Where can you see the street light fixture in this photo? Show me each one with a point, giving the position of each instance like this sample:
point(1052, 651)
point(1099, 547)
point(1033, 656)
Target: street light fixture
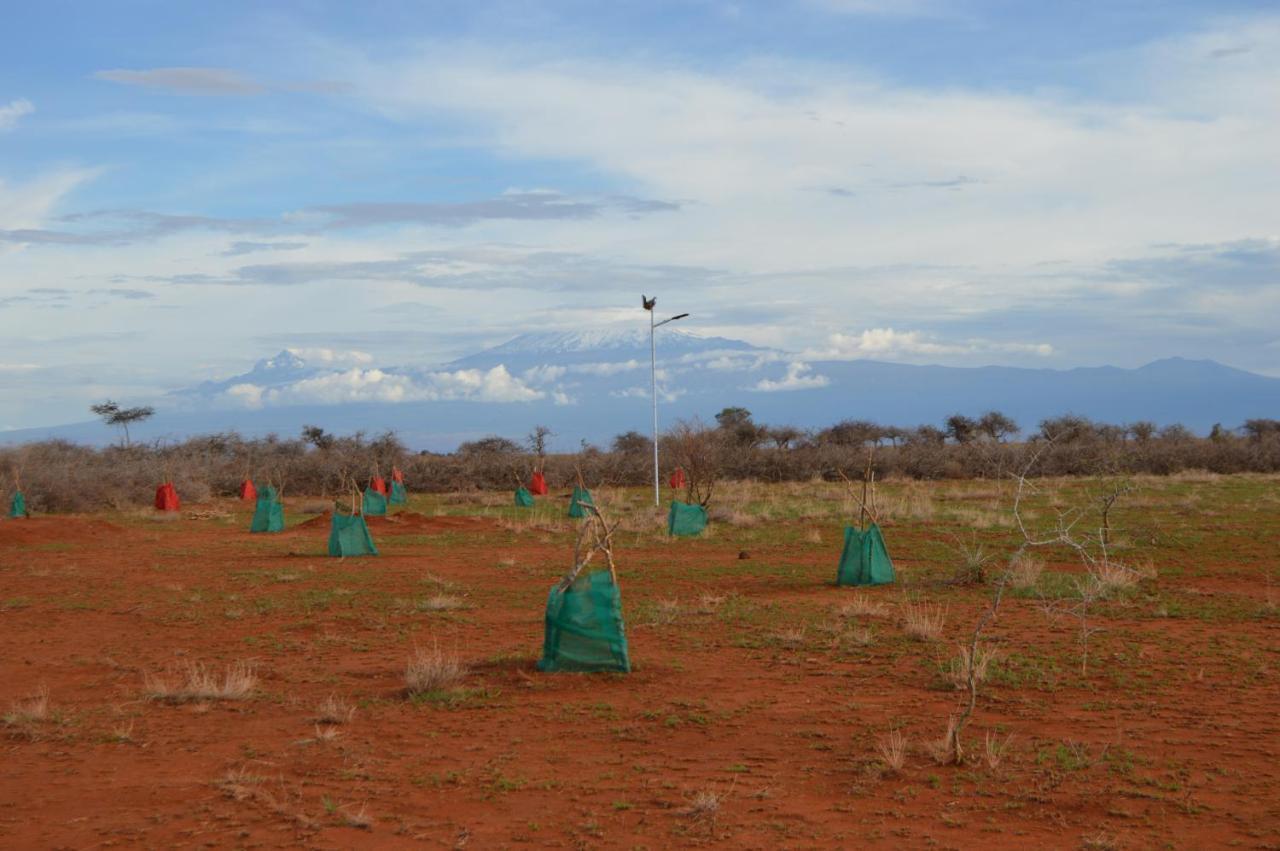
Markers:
point(653, 384)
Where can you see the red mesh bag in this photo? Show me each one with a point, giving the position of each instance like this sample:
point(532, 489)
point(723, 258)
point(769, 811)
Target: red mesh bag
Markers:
point(247, 490)
point(538, 484)
point(397, 475)
point(166, 497)
point(379, 484)
point(677, 480)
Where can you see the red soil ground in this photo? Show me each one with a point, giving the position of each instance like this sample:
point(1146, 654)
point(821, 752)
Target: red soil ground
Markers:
point(1169, 741)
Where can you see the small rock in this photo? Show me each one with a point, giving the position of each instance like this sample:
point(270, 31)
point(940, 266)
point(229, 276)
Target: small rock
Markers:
point(743, 554)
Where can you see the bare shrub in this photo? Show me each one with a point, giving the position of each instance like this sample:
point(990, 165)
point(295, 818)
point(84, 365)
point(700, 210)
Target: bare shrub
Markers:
point(29, 709)
point(893, 751)
point(923, 621)
point(200, 682)
point(433, 670)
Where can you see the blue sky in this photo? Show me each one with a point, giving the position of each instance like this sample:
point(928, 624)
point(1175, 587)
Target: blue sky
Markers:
point(187, 187)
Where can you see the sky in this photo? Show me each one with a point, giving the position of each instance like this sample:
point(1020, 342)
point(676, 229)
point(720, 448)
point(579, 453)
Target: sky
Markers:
point(188, 187)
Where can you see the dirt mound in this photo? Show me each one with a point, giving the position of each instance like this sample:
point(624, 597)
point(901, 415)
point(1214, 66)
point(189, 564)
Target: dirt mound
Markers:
point(55, 530)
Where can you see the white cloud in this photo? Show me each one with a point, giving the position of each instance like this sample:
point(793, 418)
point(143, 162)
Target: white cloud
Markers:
point(890, 343)
point(327, 356)
point(376, 385)
point(13, 110)
point(798, 377)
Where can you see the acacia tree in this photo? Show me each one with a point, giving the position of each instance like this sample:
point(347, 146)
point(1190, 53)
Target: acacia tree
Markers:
point(700, 452)
point(114, 415)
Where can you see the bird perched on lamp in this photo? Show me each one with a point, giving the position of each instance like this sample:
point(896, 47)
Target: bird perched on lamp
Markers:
point(648, 302)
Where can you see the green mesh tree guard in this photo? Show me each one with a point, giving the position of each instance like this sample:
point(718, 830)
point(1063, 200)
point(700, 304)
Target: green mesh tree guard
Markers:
point(18, 505)
point(580, 496)
point(524, 499)
point(349, 536)
point(375, 504)
point(584, 627)
point(864, 559)
point(399, 496)
point(268, 512)
point(686, 520)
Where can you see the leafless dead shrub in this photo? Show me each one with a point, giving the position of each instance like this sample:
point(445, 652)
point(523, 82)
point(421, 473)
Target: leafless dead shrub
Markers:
point(433, 670)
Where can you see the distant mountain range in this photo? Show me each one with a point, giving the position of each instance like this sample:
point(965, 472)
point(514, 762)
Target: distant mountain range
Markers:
point(594, 385)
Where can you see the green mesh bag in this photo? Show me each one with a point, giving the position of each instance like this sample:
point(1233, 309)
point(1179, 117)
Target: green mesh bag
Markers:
point(268, 512)
point(399, 496)
point(375, 504)
point(864, 560)
point(18, 506)
point(524, 499)
point(584, 627)
point(580, 496)
point(349, 536)
point(686, 520)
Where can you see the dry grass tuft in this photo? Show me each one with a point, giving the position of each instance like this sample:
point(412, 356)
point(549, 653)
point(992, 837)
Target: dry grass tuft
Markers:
point(790, 638)
point(201, 683)
point(441, 603)
point(995, 750)
point(893, 751)
point(359, 820)
point(923, 621)
point(25, 716)
point(665, 611)
point(709, 603)
point(433, 670)
point(1112, 577)
point(1025, 570)
point(813, 536)
point(334, 710)
point(943, 750)
point(960, 666)
point(862, 606)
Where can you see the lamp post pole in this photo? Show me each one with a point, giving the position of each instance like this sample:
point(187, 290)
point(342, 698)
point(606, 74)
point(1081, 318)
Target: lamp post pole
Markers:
point(653, 386)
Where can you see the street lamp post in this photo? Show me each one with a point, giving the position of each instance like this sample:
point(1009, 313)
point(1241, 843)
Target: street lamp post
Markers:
point(653, 385)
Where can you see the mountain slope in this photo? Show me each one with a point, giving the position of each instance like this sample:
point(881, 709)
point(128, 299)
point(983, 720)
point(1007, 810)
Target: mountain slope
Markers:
point(588, 385)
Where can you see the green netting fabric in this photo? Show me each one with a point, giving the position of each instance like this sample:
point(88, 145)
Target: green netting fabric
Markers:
point(268, 512)
point(375, 504)
point(18, 506)
point(686, 520)
point(524, 499)
point(580, 496)
point(864, 560)
point(584, 627)
point(399, 496)
point(349, 536)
